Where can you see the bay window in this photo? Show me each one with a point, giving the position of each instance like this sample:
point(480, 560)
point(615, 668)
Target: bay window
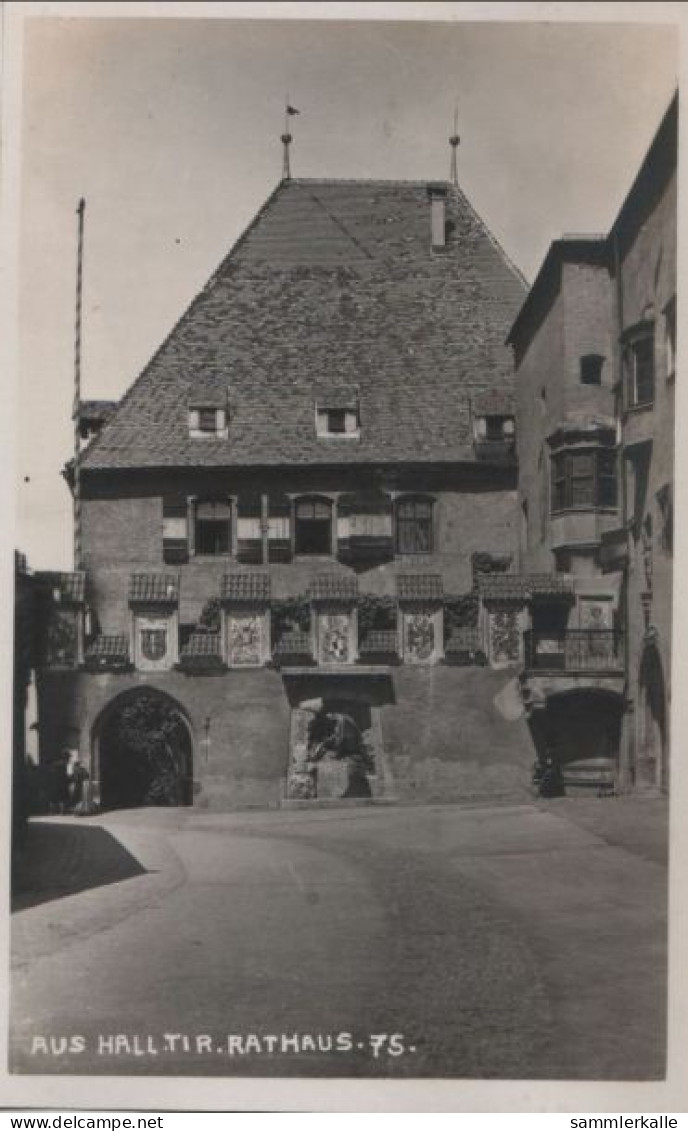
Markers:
point(583, 478)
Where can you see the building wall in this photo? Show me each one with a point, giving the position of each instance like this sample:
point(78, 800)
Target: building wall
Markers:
point(588, 329)
point(648, 282)
point(448, 733)
point(475, 510)
point(576, 322)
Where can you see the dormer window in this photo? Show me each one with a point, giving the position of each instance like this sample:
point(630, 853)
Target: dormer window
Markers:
point(337, 413)
point(208, 413)
point(495, 428)
point(208, 423)
point(207, 420)
point(336, 420)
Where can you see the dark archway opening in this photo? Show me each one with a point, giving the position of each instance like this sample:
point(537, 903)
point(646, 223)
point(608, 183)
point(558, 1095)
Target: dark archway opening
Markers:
point(579, 735)
point(145, 753)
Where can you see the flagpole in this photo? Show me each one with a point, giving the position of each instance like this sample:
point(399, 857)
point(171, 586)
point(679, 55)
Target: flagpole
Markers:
point(76, 410)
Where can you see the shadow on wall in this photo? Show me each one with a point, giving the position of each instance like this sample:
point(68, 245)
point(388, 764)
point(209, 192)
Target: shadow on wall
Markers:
point(63, 858)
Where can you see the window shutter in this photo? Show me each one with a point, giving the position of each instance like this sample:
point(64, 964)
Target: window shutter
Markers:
point(279, 529)
point(249, 530)
point(175, 529)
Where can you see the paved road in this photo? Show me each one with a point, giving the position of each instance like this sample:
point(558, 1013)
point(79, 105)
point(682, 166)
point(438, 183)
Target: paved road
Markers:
point(500, 943)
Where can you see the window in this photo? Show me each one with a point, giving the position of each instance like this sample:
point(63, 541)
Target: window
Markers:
point(207, 422)
point(313, 526)
point(175, 532)
point(494, 428)
point(213, 527)
point(591, 369)
point(342, 421)
point(336, 420)
point(414, 526)
point(670, 338)
point(639, 367)
point(583, 478)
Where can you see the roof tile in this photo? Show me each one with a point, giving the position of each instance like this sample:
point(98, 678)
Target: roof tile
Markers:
point(201, 644)
point(110, 648)
point(246, 585)
point(419, 587)
point(514, 586)
point(154, 588)
point(71, 586)
point(333, 587)
point(335, 281)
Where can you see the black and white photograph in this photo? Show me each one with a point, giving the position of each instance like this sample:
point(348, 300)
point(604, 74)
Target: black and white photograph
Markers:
point(341, 435)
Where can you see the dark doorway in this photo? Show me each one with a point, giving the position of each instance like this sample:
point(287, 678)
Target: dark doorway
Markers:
point(145, 753)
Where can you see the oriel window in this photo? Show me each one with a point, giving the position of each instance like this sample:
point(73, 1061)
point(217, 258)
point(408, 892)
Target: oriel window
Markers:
point(583, 479)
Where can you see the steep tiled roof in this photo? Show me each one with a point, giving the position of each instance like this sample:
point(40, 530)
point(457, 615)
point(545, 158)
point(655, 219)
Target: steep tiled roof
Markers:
point(333, 587)
point(419, 587)
point(336, 396)
point(71, 586)
point(96, 410)
point(154, 588)
point(494, 402)
point(334, 283)
point(514, 586)
point(246, 585)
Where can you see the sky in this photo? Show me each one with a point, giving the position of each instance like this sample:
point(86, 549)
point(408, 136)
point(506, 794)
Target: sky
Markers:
point(169, 128)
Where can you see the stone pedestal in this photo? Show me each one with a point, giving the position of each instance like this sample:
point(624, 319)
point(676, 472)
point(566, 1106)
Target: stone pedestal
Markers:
point(332, 776)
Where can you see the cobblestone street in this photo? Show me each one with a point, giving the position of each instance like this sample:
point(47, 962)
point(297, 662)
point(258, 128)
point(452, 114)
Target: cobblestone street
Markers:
point(510, 942)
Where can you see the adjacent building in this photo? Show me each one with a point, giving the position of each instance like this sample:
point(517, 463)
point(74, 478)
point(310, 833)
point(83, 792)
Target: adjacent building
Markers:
point(594, 347)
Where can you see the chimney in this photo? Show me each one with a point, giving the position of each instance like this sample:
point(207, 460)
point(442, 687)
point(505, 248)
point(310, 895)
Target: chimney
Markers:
point(438, 197)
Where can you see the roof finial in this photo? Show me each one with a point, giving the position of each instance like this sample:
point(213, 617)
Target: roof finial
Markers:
point(287, 139)
point(454, 142)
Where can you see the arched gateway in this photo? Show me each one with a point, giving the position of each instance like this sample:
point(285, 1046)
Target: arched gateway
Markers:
point(142, 752)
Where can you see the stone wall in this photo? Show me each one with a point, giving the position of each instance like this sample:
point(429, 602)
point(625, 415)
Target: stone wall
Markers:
point(448, 734)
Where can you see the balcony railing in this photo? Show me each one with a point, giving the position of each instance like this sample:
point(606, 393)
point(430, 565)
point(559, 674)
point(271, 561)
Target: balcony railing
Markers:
point(576, 650)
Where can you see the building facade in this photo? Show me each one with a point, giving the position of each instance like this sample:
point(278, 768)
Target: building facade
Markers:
point(289, 513)
point(594, 347)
